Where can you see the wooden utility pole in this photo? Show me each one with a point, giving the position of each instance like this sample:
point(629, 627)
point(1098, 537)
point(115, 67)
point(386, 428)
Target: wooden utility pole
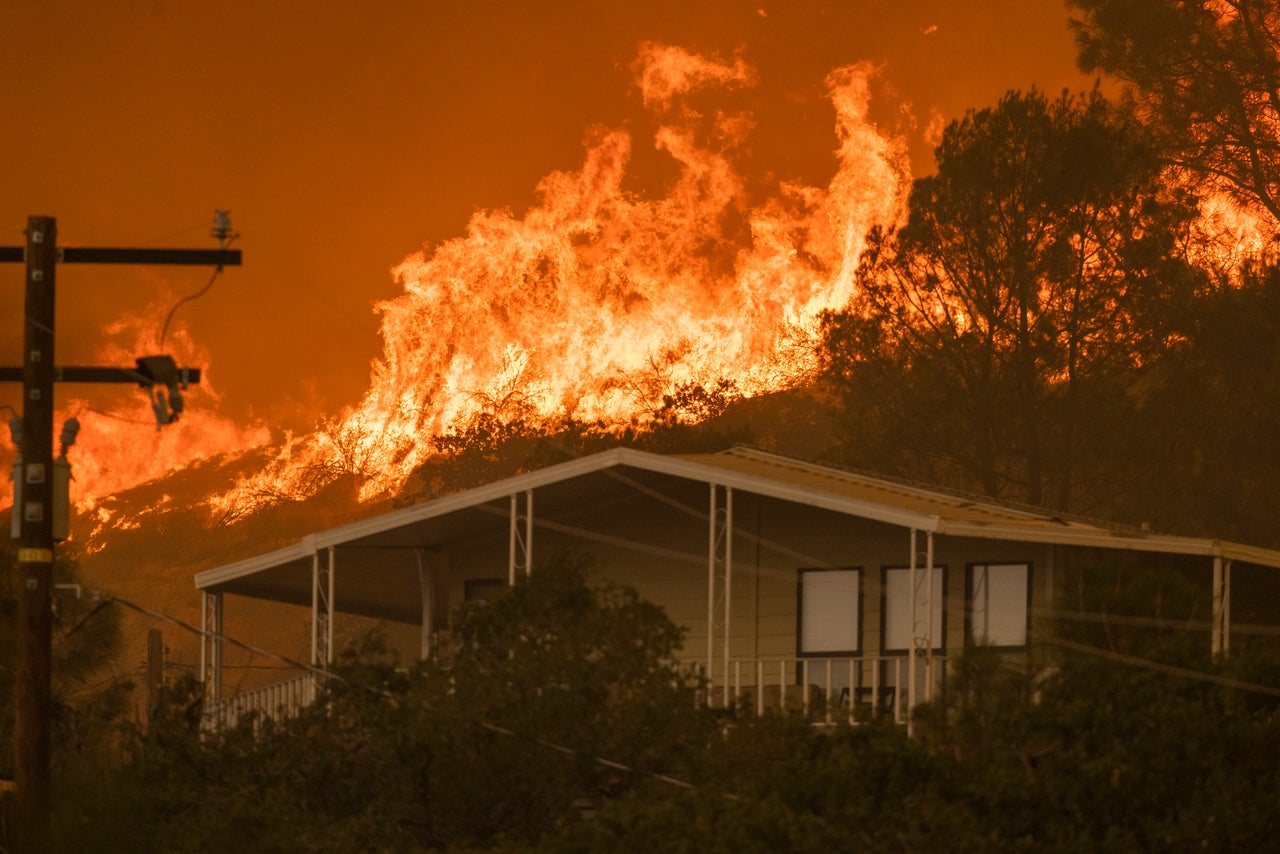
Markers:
point(34, 492)
point(35, 553)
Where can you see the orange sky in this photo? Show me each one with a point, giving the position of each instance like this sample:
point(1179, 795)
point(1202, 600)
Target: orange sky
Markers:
point(344, 136)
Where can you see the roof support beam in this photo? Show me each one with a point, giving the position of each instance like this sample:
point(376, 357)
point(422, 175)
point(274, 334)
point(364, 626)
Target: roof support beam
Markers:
point(520, 559)
point(211, 648)
point(921, 641)
point(719, 584)
point(425, 582)
point(1220, 636)
point(322, 570)
point(911, 650)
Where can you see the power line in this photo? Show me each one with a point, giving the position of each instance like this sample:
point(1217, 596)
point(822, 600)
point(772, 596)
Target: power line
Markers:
point(115, 416)
point(164, 330)
point(1173, 669)
point(559, 748)
point(1152, 622)
point(205, 633)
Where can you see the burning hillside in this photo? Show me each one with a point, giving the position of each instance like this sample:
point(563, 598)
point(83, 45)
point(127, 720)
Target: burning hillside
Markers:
point(597, 303)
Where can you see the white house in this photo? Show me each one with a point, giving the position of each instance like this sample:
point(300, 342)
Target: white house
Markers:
point(784, 573)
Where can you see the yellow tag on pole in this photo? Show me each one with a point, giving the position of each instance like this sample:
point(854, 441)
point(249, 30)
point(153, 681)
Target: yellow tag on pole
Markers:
point(35, 555)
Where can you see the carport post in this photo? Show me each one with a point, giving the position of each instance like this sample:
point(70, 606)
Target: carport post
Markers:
point(728, 583)
point(719, 574)
point(424, 583)
point(1220, 636)
point(211, 647)
point(322, 609)
point(520, 556)
point(928, 637)
point(911, 650)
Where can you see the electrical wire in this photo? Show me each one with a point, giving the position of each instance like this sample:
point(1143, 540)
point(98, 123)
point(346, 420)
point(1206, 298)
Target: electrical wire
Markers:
point(551, 745)
point(209, 635)
point(117, 417)
point(1160, 666)
point(223, 244)
point(1151, 622)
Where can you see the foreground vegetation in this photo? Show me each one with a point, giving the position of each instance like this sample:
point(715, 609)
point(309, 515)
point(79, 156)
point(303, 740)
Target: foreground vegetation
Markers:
point(556, 719)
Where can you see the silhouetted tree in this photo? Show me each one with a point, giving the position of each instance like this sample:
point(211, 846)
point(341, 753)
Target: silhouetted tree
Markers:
point(497, 738)
point(1209, 427)
point(1204, 75)
point(997, 333)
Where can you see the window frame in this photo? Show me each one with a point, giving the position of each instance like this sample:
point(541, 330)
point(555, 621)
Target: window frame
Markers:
point(801, 652)
point(969, 625)
point(940, 635)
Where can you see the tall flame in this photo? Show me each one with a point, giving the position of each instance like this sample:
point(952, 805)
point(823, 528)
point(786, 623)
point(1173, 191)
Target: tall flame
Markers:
point(597, 302)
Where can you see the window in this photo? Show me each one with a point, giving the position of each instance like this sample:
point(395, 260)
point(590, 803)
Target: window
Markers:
point(828, 605)
point(998, 603)
point(897, 631)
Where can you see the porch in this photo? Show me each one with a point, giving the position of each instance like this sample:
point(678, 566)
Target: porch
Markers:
point(783, 573)
point(824, 691)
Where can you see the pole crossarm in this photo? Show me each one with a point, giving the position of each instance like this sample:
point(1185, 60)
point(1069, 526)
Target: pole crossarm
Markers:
point(94, 374)
point(112, 255)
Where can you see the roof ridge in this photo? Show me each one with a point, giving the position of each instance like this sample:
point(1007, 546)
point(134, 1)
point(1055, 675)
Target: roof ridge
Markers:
point(748, 451)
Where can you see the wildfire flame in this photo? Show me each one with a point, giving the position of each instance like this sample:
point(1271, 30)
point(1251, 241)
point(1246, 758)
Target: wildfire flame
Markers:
point(597, 302)
point(119, 445)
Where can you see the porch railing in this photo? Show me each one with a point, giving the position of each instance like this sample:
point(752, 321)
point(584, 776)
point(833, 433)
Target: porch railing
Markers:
point(823, 690)
point(827, 689)
point(277, 701)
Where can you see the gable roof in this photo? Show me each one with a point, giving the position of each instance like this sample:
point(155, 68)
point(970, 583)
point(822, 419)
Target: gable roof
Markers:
point(590, 478)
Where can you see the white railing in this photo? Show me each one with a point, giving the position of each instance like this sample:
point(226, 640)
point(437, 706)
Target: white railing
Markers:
point(826, 689)
point(278, 701)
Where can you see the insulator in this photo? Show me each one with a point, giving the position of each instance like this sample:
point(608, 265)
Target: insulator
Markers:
point(221, 224)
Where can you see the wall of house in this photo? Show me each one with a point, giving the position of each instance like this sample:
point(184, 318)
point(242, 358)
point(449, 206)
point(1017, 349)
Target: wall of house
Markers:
point(660, 547)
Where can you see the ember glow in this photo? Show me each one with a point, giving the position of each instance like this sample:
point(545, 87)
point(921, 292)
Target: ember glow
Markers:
point(597, 302)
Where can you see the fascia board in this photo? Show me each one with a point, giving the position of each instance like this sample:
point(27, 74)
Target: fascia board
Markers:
point(1249, 554)
point(775, 489)
point(249, 566)
point(464, 500)
point(608, 459)
point(1105, 539)
point(312, 543)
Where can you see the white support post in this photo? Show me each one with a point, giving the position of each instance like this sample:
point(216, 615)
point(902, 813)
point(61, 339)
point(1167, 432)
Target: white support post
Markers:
point(520, 549)
point(424, 584)
point(911, 651)
point(928, 637)
point(1220, 636)
point(719, 581)
point(513, 537)
point(211, 647)
point(711, 593)
point(322, 609)
point(727, 556)
point(528, 532)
